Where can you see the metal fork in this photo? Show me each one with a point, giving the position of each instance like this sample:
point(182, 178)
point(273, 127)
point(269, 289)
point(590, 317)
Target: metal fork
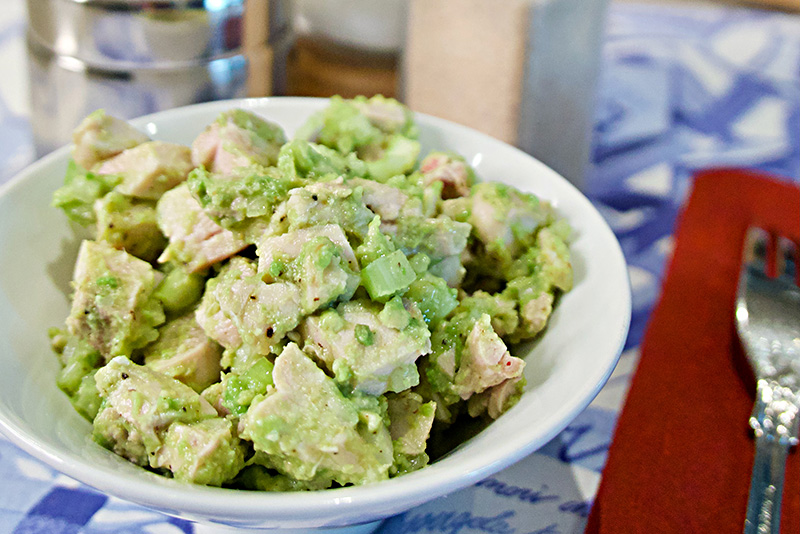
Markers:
point(768, 323)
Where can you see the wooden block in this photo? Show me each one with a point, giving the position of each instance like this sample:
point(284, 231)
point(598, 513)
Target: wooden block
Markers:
point(259, 73)
point(319, 68)
point(464, 61)
point(789, 5)
point(256, 24)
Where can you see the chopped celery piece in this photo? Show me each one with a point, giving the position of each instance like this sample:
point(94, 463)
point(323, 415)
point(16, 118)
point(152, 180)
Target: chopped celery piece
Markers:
point(79, 359)
point(394, 314)
point(399, 158)
point(387, 276)
point(81, 188)
point(433, 297)
point(364, 335)
point(301, 159)
point(375, 245)
point(86, 399)
point(241, 389)
point(276, 268)
point(179, 290)
point(420, 262)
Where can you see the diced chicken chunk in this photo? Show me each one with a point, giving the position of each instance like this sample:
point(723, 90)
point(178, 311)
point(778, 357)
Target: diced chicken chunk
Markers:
point(319, 260)
point(138, 407)
point(289, 245)
point(387, 201)
point(113, 307)
point(485, 361)
point(387, 114)
point(373, 348)
point(446, 238)
point(498, 306)
point(328, 203)
point(150, 169)
point(556, 265)
point(453, 172)
point(450, 268)
point(184, 352)
point(309, 430)
point(237, 138)
point(497, 399)
point(323, 275)
point(239, 309)
point(534, 314)
point(195, 241)
point(101, 136)
point(207, 452)
point(214, 395)
point(411, 420)
point(438, 238)
point(501, 216)
point(216, 324)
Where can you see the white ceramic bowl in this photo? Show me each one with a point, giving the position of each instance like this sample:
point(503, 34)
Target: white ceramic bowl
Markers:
point(565, 368)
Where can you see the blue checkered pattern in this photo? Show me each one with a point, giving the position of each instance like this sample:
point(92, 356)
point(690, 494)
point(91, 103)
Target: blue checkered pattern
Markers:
point(682, 89)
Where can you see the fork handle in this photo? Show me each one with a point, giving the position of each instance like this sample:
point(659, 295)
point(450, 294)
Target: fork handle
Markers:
point(774, 421)
point(766, 487)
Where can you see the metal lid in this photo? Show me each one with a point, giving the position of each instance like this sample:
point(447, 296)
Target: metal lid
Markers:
point(123, 33)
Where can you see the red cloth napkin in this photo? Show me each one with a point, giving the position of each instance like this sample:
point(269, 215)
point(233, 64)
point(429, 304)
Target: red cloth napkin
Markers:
point(681, 457)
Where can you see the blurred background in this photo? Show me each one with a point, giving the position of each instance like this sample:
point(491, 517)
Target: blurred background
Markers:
point(524, 71)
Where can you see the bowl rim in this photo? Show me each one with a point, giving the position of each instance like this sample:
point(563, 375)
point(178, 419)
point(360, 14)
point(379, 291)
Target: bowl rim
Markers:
point(364, 503)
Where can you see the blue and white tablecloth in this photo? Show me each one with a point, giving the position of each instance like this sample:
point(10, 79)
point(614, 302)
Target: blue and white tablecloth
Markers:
point(682, 89)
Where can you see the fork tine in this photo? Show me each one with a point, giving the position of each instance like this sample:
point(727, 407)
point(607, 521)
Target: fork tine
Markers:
point(788, 256)
point(771, 264)
point(756, 246)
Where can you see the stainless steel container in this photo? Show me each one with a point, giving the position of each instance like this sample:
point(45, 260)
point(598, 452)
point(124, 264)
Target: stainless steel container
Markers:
point(133, 57)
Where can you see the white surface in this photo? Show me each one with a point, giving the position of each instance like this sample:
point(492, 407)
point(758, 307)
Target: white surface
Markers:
point(369, 25)
point(565, 370)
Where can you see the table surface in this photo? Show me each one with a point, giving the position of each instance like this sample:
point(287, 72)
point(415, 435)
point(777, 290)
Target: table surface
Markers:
point(683, 88)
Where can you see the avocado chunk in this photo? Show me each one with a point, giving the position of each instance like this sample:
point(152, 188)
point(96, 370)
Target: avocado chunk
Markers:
point(79, 362)
point(80, 191)
point(300, 159)
point(243, 200)
point(180, 290)
point(130, 225)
